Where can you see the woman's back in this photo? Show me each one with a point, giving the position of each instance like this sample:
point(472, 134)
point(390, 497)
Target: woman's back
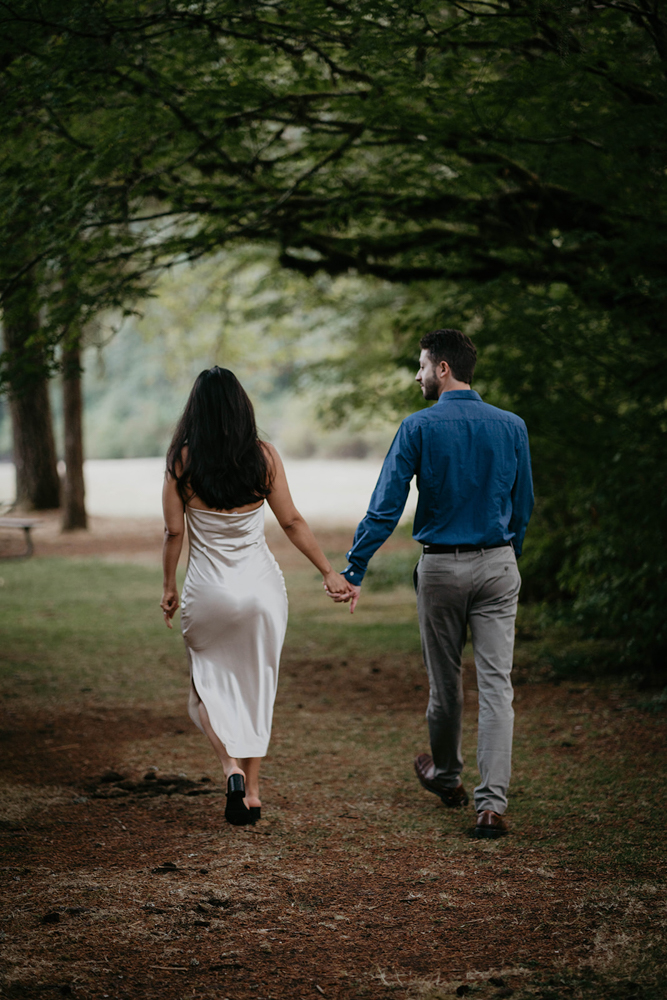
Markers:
point(195, 503)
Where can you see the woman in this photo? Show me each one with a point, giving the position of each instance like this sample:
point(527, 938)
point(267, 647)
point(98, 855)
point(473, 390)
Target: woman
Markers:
point(234, 602)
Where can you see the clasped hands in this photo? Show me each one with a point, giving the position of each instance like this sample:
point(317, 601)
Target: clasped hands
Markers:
point(341, 590)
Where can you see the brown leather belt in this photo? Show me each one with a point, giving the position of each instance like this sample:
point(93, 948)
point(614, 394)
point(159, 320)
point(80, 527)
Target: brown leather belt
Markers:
point(432, 550)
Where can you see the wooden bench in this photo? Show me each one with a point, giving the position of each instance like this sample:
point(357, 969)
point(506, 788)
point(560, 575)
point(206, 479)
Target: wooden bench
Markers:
point(26, 524)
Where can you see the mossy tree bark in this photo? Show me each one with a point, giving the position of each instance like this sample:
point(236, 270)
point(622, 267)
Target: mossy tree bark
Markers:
point(74, 498)
point(37, 481)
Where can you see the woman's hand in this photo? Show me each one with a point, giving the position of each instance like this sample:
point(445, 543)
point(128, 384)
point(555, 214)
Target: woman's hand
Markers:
point(335, 583)
point(169, 605)
point(341, 590)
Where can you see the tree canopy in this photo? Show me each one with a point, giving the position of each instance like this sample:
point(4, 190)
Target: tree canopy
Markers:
point(461, 141)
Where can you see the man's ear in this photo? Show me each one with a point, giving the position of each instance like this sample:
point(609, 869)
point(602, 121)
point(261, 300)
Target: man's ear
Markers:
point(443, 370)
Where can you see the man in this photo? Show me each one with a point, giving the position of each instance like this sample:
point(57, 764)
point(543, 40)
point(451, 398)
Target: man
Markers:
point(475, 499)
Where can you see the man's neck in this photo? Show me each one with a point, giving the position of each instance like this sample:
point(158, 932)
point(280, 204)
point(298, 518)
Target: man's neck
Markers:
point(449, 385)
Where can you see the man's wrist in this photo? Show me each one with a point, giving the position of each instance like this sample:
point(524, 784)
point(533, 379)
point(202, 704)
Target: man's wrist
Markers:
point(353, 576)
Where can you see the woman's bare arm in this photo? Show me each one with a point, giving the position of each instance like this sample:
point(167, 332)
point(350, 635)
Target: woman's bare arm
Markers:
point(296, 528)
point(174, 532)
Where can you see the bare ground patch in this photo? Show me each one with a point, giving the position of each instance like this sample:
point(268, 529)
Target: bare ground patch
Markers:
point(359, 886)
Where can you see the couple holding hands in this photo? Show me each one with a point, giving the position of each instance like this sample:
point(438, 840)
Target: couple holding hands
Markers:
point(472, 465)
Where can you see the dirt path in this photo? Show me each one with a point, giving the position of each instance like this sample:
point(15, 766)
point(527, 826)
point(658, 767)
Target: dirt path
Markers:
point(129, 883)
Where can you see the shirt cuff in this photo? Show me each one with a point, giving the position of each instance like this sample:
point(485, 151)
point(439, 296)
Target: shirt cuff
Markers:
point(353, 576)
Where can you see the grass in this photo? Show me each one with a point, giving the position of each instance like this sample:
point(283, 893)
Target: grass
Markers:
point(90, 627)
point(89, 631)
point(94, 626)
point(588, 792)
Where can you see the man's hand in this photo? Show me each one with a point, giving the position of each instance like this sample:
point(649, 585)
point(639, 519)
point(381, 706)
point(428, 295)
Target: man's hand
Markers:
point(356, 594)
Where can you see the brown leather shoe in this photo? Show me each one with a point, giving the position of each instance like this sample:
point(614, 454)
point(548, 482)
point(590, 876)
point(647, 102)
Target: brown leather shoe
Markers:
point(490, 824)
point(453, 798)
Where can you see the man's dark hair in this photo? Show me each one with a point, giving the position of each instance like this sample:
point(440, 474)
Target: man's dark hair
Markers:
point(453, 347)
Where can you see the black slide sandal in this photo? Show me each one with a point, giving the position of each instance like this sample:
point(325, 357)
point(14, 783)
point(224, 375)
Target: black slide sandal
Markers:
point(236, 811)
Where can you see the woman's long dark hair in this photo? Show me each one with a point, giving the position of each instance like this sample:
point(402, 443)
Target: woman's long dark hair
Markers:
point(225, 465)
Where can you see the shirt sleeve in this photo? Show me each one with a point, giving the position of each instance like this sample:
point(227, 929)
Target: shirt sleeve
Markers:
point(522, 492)
point(386, 504)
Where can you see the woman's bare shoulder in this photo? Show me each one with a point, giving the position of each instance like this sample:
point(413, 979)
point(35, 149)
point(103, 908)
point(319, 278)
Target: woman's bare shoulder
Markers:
point(179, 463)
point(271, 453)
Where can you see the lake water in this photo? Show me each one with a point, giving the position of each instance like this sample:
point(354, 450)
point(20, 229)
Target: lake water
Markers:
point(326, 491)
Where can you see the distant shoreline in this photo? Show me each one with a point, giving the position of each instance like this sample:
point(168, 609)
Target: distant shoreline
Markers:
point(326, 491)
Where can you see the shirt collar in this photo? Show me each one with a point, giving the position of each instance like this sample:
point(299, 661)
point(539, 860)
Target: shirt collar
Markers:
point(459, 394)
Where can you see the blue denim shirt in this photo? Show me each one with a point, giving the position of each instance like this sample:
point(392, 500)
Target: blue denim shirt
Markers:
point(472, 464)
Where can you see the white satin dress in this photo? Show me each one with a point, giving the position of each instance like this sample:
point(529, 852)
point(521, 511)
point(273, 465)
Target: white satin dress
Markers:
point(233, 617)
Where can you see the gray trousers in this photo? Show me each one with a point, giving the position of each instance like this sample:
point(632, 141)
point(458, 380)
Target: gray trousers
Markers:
point(479, 589)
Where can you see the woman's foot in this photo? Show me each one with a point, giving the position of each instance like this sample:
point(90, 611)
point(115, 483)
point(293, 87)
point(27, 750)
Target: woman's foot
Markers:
point(254, 805)
point(232, 768)
point(251, 767)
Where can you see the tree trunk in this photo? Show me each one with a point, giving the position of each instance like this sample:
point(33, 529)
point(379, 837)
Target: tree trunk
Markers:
point(74, 500)
point(37, 482)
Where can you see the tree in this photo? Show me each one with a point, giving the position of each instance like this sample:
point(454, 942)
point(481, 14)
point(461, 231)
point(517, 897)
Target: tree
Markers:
point(74, 500)
point(58, 266)
point(37, 482)
point(27, 348)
